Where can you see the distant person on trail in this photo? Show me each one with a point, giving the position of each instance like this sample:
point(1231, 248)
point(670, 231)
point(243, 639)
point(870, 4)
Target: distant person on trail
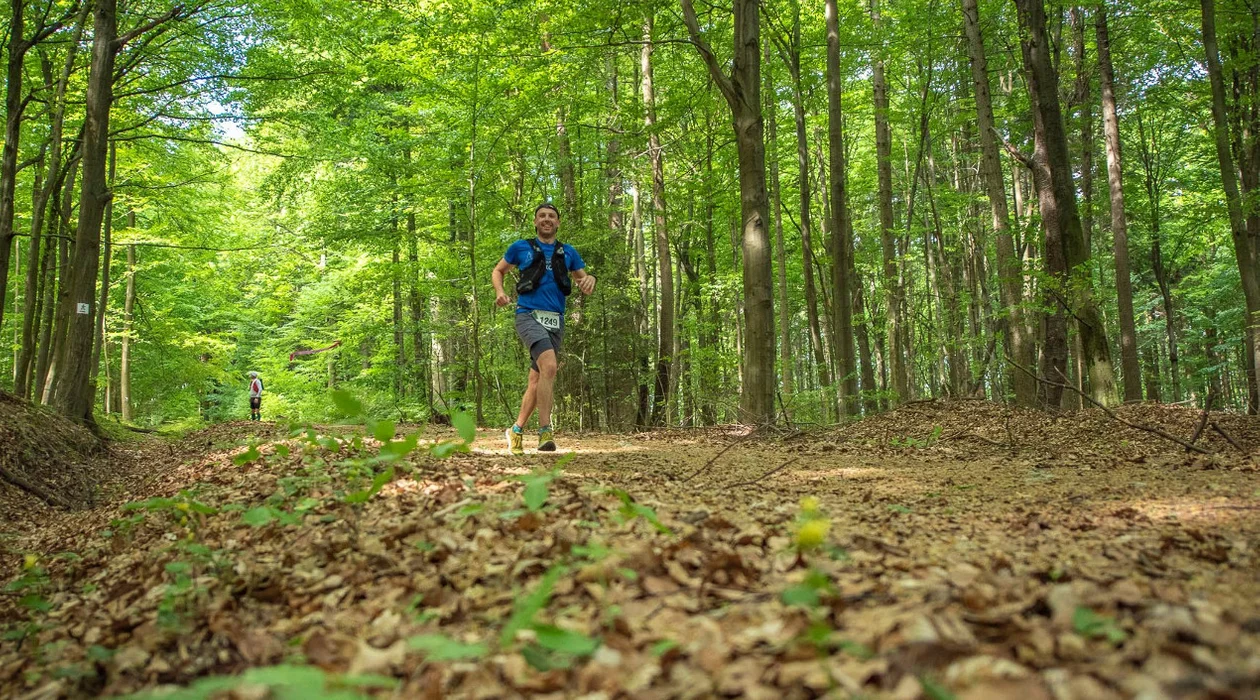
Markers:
point(548, 270)
point(255, 396)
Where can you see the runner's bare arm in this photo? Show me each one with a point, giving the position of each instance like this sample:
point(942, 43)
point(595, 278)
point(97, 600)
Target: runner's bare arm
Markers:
point(585, 282)
point(496, 278)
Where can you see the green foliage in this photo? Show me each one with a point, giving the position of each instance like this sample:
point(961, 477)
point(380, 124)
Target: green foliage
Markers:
point(537, 487)
point(1088, 623)
point(437, 647)
point(934, 690)
point(809, 593)
point(631, 510)
point(918, 443)
point(283, 683)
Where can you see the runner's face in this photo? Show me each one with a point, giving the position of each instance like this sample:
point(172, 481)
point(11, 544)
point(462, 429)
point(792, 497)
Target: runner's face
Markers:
point(546, 221)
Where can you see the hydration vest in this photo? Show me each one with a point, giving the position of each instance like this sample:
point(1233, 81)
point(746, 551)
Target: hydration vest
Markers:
point(532, 276)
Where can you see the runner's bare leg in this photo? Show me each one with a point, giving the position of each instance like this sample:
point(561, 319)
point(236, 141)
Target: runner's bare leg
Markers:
point(546, 384)
point(529, 401)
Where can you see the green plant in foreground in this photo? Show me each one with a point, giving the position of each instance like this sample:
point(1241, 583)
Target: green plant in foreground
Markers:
point(280, 683)
point(1088, 623)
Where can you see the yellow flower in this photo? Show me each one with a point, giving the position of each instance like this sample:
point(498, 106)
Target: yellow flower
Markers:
point(29, 561)
point(182, 506)
point(809, 505)
point(812, 534)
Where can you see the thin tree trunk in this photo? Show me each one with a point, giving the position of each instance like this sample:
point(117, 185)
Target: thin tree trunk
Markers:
point(1151, 362)
point(785, 318)
point(1246, 247)
point(642, 415)
point(1086, 179)
point(870, 400)
point(842, 225)
point(129, 303)
point(1129, 365)
point(25, 347)
point(400, 357)
point(742, 91)
point(898, 354)
point(709, 337)
point(419, 354)
point(792, 57)
point(665, 324)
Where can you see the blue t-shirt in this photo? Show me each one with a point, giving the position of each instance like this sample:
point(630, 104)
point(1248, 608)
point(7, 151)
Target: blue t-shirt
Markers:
point(547, 297)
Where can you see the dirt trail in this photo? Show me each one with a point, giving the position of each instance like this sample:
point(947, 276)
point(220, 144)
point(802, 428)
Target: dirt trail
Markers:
point(964, 558)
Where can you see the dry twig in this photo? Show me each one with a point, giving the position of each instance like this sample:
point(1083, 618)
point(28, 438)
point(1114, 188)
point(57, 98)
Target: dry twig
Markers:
point(715, 458)
point(1139, 426)
point(1221, 431)
point(772, 472)
point(1207, 409)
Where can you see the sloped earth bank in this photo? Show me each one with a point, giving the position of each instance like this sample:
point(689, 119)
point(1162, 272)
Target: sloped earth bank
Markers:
point(1068, 558)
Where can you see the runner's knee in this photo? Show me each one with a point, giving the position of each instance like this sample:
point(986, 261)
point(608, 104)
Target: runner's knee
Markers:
point(547, 364)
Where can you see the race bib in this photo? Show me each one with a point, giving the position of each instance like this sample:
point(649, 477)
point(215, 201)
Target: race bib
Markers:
point(547, 319)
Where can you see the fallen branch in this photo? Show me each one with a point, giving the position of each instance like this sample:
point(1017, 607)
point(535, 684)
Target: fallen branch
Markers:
point(37, 491)
point(772, 472)
point(1203, 420)
point(1221, 431)
point(1139, 426)
point(709, 463)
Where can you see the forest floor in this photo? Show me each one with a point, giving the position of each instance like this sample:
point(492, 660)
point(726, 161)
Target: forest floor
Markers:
point(944, 550)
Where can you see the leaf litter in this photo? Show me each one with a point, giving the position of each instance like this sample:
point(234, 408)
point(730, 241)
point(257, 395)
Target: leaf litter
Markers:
point(890, 560)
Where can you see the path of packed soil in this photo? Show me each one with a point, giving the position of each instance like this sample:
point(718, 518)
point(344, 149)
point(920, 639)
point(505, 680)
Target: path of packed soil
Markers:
point(974, 563)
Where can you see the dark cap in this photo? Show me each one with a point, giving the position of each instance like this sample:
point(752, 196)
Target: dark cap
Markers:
point(547, 205)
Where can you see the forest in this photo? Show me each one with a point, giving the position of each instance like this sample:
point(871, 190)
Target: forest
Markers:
point(922, 361)
point(993, 186)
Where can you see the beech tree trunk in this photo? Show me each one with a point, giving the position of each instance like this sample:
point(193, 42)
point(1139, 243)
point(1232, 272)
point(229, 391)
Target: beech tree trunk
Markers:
point(1130, 367)
point(71, 395)
point(898, 355)
point(785, 317)
point(14, 106)
point(41, 205)
point(841, 224)
point(665, 339)
point(792, 57)
point(1059, 212)
point(1246, 243)
point(129, 303)
point(742, 90)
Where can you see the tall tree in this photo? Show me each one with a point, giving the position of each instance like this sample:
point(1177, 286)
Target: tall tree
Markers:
point(789, 43)
point(898, 355)
point(72, 395)
point(1130, 368)
point(1059, 213)
point(742, 90)
point(665, 347)
point(14, 108)
point(785, 318)
point(841, 223)
point(1244, 226)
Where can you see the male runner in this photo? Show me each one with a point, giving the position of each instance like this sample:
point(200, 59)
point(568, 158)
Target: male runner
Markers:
point(548, 270)
point(255, 396)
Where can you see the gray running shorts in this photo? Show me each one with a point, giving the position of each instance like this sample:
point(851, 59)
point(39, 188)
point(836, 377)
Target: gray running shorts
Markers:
point(537, 338)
